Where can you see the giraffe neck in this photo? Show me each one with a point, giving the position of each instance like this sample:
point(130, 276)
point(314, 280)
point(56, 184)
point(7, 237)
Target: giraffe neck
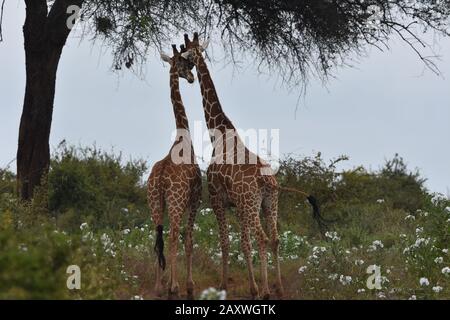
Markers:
point(181, 120)
point(216, 118)
point(183, 141)
point(214, 115)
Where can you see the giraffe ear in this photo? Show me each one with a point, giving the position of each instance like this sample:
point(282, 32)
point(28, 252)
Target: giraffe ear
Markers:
point(204, 45)
point(165, 57)
point(186, 55)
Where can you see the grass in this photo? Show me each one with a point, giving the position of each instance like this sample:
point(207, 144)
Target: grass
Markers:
point(97, 218)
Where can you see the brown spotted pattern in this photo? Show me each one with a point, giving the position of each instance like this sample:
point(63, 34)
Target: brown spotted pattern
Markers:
point(176, 187)
point(238, 185)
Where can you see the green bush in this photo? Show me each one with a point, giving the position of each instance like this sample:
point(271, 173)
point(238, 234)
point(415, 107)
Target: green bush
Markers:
point(341, 194)
point(91, 184)
point(7, 181)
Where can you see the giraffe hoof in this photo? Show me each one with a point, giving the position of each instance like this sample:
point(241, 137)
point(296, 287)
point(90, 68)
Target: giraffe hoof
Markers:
point(280, 293)
point(173, 294)
point(190, 294)
point(254, 292)
point(223, 286)
point(266, 296)
point(159, 292)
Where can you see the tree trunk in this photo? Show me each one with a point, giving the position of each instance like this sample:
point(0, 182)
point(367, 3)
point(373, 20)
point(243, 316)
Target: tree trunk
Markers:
point(45, 34)
point(33, 154)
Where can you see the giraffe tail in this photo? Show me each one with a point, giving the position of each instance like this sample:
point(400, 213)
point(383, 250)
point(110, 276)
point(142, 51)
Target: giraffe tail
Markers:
point(159, 247)
point(321, 221)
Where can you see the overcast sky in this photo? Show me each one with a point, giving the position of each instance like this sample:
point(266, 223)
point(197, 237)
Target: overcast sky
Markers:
point(385, 105)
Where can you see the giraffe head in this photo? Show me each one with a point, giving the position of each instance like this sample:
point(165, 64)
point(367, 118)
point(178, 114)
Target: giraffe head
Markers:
point(193, 48)
point(182, 65)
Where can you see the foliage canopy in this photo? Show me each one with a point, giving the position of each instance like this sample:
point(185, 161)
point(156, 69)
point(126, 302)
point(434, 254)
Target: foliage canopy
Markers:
point(297, 38)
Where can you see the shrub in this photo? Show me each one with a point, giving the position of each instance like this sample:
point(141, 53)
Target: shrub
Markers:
point(96, 185)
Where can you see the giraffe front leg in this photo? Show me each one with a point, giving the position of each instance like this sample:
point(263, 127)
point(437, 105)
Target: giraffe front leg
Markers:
point(219, 210)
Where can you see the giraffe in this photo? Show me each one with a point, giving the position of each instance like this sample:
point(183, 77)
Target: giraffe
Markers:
point(241, 179)
point(175, 182)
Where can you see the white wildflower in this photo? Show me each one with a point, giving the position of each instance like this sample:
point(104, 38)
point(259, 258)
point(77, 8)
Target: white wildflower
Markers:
point(424, 282)
point(413, 297)
point(319, 249)
point(333, 276)
point(126, 231)
point(206, 211)
point(83, 226)
point(380, 201)
point(333, 236)
point(421, 241)
point(359, 262)
point(87, 236)
point(437, 289)
point(361, 290)
point(213, 294)
point(302, 269)
point(439, 260)
point(410, 217)
point(105, 239)
point(345, 280)
point(377, 244)
point(446, 271)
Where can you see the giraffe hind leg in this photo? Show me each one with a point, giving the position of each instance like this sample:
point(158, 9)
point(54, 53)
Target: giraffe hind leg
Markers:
point(246, 246)
point(270, 212)
point(177, 206)
point(189, 247)
point(157, 209)
point(262, 246)
point(219, 211)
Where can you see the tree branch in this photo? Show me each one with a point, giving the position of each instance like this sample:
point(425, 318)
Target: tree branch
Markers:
point(1, 19)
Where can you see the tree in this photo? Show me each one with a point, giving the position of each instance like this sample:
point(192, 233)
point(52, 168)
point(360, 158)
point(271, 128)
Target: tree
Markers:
point(45, 34)
point(299, 39)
